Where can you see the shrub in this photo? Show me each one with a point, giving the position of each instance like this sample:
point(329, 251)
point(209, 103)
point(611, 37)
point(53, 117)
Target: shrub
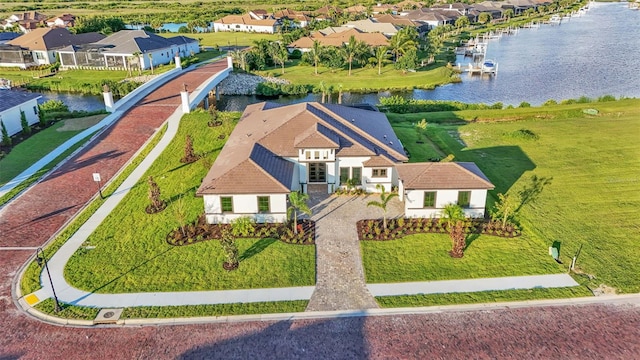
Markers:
point(525, 134)
point(26, 129)
point(606, 98)
point(524, 104)
point(550, 102)
point(6, 139)
point(53, 106)
point(243, 226)
point(583, 100)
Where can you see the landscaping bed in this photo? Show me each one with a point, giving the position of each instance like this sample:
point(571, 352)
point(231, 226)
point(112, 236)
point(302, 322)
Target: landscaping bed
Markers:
point(398, 228)
point(200, 230)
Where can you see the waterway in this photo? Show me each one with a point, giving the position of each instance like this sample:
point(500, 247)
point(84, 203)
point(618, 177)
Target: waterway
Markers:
point(592, 55)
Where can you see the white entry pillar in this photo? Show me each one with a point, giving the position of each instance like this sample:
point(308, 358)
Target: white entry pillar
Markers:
point(229, 62)
point(178, 61)
point(184, 95)
point(108, 99)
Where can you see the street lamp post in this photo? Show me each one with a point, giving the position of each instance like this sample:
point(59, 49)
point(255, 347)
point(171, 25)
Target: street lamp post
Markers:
point(43, 260)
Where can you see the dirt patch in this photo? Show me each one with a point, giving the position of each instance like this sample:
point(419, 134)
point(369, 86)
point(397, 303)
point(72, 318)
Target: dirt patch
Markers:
point(81, 123)
point(604, 290)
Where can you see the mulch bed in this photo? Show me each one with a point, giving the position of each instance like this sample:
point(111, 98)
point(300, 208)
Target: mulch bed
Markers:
point(200, 230)
point(398, 228)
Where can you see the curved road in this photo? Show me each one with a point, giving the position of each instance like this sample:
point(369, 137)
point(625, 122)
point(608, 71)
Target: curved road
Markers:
point(562, 332)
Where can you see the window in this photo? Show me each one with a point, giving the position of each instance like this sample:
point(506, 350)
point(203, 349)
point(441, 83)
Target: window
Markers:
point(429, 199)
point(356, 175)
point(464, 198)
point(316, 154)
point(344, 175)
point(307, 155)
point(226, 203)
point(379, 173)
point(35, 110)
point(263, 204)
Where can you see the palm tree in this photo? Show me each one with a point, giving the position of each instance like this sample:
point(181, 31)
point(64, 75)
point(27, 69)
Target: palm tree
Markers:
point(507, 14)
point(382, 204)
point(461, 22)
point(340, 87)
point(401, 42)
point(279, 54)
point(316, 51)
point(323, 89)
point(298, 204)
point(484, 18)
point(380, 54)
point(453, 220)
point(240, 58)
point(137, 56)
point(350, 50)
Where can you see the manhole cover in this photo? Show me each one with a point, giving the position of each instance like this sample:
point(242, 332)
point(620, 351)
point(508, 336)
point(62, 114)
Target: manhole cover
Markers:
point(108, 314)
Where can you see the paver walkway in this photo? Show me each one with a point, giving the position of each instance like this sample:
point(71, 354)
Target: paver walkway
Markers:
point(34, 217)
point(340, 276)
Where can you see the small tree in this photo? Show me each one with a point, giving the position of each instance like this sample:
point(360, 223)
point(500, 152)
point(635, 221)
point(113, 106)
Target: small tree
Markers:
point(189, 154)
point(453, 220)
point(505, 208)
point(180, 212)
point(41, 116)
point(157, 204)
point(230, 249)
point(298, 204)
point(6, 139)
point(382, 204)
point(26, 129)
point(150, 55)
point(484, 18)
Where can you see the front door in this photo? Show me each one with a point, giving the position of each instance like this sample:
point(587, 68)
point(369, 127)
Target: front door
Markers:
point(317, 172)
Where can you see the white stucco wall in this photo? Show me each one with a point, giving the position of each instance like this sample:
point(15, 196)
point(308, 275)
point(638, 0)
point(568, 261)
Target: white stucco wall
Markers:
point(11, 117)
point(243, 28)
point(414, 199)
point(246, 205)
point(369, 182)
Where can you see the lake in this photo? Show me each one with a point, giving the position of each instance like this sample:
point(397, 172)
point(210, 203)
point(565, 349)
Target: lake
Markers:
point(592, 55)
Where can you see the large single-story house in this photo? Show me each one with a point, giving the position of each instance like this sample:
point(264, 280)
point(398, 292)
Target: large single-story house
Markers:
point(24, 21)
point(333, 38)
point(250, 22)
point(12, 103)
point(276, 149)
point(127, 48)
point(39, 46)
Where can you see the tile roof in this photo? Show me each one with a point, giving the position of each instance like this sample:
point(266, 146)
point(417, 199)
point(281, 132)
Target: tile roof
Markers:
point(378, 161)
point(268, 133)
point(53, 38)
point(340, 38)
point(246, 20)
point(13, 98)
point(442, 175)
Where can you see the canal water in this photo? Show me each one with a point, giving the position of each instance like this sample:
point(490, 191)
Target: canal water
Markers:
point(592, 55)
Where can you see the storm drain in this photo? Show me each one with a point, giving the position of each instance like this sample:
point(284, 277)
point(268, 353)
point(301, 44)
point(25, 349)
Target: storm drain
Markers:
point(108, 316)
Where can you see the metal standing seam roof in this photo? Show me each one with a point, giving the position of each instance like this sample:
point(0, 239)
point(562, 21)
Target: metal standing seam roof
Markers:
point(53, 38)
point(132, 41)
point(12, 98)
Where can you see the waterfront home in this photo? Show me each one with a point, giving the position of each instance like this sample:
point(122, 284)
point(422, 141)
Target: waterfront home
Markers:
point(39, 46)
point(372, 26)
point(13, 104)
point(432, 18)
point(276, 149)
point(297, 18)
point(250, 22)
point(337, 38)
point(128, 48)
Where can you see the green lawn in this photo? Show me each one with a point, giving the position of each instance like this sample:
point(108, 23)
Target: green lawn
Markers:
point(130, 248)
point(363, 79)
point(227, 38)
point(33, 149)
point(593, 198)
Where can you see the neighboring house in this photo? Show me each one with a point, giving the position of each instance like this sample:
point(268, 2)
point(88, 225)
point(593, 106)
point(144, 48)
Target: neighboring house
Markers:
point(39, 46)
point(426, 188)
point(25, 21)
point(299, 18)
point(128, 47)
point(12, 103)
point(246, 23)
point(64, 20)
point(384, 9)
point(372, 26)
point(338, 39)
point(433, 18)
point(8, 36)
point(357, 10)
point(401, 21)
point(276, 149)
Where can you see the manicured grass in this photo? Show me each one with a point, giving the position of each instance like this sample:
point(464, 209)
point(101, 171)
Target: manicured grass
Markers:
point(30, 281)
point(363, 79)
point(481, 297)
point(593, 197)
point(130, 247)
point(157, 312)
point(416, 142)
point(33, 149)
point(425, 257)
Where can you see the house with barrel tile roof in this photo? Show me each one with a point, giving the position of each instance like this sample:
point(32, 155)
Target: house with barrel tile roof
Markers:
point(276, 149)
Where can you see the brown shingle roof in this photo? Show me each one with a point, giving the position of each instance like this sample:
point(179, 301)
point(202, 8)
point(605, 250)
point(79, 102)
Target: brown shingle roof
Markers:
point(443, 175)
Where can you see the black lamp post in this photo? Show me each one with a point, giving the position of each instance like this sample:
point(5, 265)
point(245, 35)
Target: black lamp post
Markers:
point(42, 260)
